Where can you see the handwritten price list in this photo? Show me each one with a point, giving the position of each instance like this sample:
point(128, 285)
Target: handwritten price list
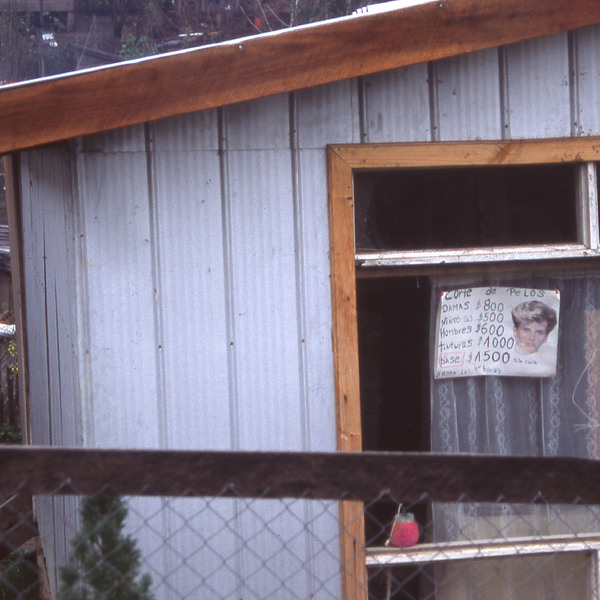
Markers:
point(476, 334)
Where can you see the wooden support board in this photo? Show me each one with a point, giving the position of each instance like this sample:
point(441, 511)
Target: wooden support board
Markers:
point(64, 107)
point(359, 476)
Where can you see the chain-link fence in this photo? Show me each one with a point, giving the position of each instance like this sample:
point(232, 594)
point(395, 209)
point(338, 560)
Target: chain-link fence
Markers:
point(139, 525)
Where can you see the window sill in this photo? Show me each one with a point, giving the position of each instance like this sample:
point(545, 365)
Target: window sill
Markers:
point(450, 551)
point(370, 259)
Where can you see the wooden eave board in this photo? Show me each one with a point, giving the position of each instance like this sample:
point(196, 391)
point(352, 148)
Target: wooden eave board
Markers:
point(67, 106)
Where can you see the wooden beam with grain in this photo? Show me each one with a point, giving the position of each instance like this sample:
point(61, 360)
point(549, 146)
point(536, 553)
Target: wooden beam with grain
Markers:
point(345, 354)
point(469, 153)
point(67, 106)
point(358, 476)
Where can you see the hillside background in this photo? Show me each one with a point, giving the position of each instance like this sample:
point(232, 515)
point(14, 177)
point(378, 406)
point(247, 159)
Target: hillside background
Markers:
point(37, 43)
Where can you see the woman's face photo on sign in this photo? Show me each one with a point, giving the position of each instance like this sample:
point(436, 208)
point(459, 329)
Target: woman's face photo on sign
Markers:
point(497, 331)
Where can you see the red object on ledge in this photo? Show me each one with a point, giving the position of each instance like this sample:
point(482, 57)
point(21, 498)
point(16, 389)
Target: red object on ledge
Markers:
point(405, 530)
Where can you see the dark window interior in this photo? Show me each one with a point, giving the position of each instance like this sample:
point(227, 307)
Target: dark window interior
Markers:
point(394, 362)
point(462, 207)
point(393, 335)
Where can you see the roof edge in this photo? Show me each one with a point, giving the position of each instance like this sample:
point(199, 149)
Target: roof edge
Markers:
point(75, 104)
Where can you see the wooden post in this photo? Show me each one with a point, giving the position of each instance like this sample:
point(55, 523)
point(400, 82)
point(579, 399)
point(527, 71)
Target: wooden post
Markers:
point(345, 353)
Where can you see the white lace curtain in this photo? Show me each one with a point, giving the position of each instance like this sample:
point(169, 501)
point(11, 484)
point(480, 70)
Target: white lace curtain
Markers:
point(557, 416)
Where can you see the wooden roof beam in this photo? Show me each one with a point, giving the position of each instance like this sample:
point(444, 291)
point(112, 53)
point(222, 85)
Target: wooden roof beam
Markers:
point(67, 106)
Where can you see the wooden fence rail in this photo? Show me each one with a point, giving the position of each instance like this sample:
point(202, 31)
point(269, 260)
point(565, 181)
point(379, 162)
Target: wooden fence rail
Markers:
point(351, 476)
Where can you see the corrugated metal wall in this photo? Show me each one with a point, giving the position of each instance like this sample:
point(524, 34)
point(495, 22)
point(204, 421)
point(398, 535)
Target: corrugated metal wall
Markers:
point(50, 291)
point(177, 274)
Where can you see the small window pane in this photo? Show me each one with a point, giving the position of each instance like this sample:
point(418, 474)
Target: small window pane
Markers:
point(463, 207)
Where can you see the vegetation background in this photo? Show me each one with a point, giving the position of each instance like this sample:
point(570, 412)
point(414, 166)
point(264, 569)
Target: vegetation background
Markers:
point(37, 44)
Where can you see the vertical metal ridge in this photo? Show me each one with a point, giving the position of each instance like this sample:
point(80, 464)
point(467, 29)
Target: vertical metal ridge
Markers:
point(504, 94)
point(155, 262)
point(232, 379)
point(83, 300)
point(75, 405)
point(49, 399)
point(586, 69)
point(56, 317)
point(434, 101)
point(300, 271)
point(574, 103)
point(363, 121)
point(228, 284)
point(592, 172)
point(587, 199)
point(157, 307)
point(303, 376)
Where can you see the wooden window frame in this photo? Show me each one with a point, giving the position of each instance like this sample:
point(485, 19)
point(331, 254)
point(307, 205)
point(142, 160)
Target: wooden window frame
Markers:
point(342, 161)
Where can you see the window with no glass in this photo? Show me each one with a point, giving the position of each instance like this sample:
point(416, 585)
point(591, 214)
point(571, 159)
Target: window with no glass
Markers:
point(431, 219)
point(463, 207)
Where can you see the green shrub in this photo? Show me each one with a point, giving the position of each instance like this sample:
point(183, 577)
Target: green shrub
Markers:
point(105, 563)
point(10, 434)
point(19, 577)
point(136, 47)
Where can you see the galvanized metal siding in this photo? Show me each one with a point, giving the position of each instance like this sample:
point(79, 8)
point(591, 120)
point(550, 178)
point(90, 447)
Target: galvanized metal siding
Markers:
point(195, 285)
point(192, 384)
point(51, 330)
point(466, 97)
point(586, 81)
point(262, 270)
point(201, 282)
point(536, 89)
point(396, 106)
point(320, 116)
point(205, 242)
point(117, 253)
point(177, 276)
point(50, 288)
point(281, 350)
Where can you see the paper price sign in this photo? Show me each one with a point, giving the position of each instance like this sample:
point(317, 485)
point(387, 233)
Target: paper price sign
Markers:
point(497, 331)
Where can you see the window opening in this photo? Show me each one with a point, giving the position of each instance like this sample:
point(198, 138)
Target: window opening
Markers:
point(407, 207)
point(401, 406)
point(463, 207)
point(405, 274)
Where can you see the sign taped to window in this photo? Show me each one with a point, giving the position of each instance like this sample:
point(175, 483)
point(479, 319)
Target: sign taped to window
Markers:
point(497, 331)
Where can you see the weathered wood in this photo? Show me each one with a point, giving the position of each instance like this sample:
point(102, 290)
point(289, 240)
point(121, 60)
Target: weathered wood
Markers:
point(335, 475)
point(345, 357)
point(148, 89)
point(345, 333)
point(583, 264)
point(444, 154)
